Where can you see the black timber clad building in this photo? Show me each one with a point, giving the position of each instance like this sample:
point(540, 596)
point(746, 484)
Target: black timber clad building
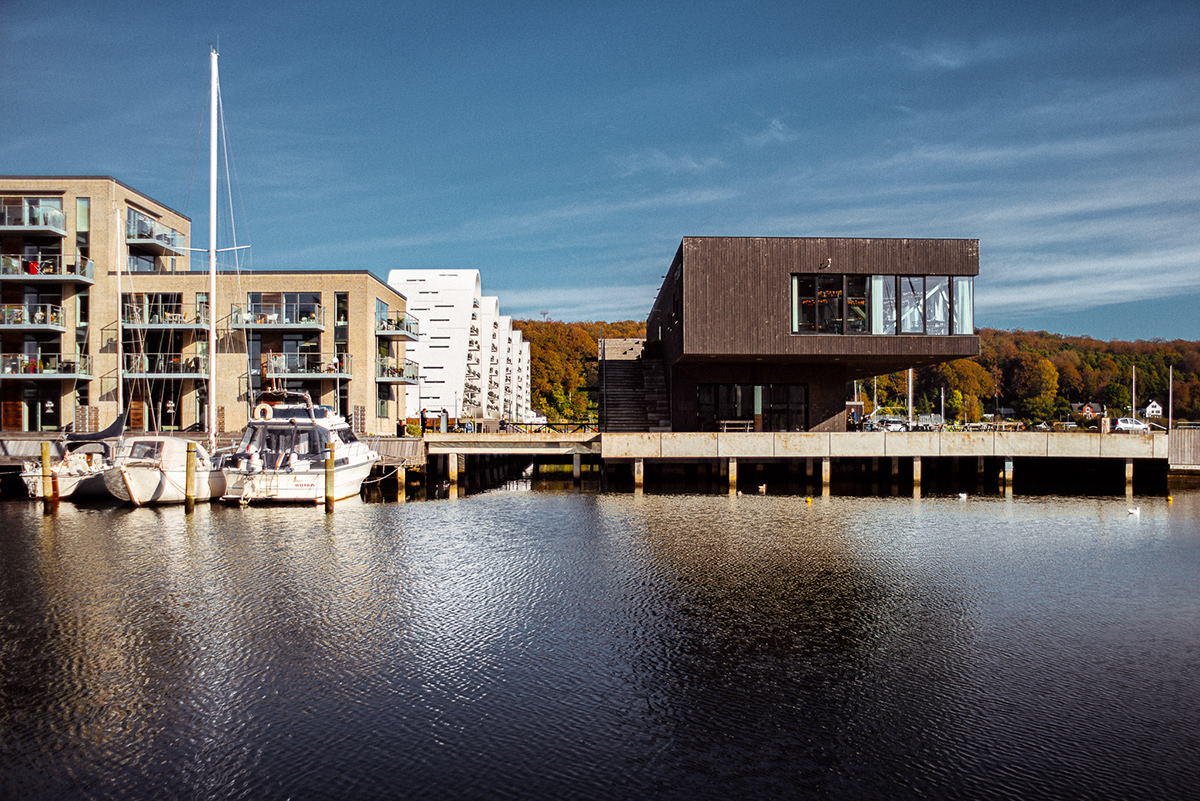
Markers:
point(764, 333)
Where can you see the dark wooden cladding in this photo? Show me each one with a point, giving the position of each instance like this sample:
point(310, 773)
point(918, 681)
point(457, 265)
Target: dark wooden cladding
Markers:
point(737, 293)
point(724, 315)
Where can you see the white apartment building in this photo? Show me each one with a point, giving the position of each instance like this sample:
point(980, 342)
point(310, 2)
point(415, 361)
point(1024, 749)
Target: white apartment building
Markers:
point(471, 362)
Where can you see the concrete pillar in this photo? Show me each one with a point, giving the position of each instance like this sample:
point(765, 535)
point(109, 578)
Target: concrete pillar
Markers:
point(452, 468)
point(1008, 472)
point(732, 476)
point(826, 471)
point(639, 474)
point(575, 466)
point(401, 485)
point(979, 469)
point(808, 468)
point(1128, 476)
point(916, 471)
point(895, 468)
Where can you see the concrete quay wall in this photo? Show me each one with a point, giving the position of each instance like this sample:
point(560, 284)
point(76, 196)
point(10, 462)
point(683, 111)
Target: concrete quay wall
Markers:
point(791, 445)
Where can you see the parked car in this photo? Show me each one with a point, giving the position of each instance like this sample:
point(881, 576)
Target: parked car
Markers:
point(1131, 425)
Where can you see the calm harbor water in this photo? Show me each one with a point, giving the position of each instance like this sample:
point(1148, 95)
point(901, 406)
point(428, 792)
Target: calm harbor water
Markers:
point(535, 644)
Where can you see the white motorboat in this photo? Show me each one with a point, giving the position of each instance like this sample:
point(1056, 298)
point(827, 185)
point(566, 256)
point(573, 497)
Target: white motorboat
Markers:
point(153, 470)
point(281, 456)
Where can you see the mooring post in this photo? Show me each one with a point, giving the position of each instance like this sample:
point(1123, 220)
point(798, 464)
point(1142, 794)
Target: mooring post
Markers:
point(916, 471)
point(47, 483)
point(401, 484)
point(576, 466)
point(1128, 476)
point(732, 469)
point(329, 446)
point(826, 471)
point(639, 477)
point(189, 485)
point(452, 469)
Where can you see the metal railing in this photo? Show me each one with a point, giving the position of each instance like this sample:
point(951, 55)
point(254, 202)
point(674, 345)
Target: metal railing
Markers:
point(30, 213)
point(39, 314)
point(401, 322)
point(140, 227)
point(45, 265)
point(278, 314)
point(46, 364)
point(162, 314)
point(567, 427)
point(405, 371)
point(331, 365)
point(164, 364)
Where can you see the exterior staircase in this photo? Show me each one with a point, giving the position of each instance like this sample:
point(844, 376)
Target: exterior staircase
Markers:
point(633, 391)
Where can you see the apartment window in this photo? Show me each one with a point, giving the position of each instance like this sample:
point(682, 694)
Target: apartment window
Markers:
point(83, 226)
point(912, 304)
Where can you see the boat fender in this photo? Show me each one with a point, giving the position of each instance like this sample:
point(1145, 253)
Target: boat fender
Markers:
point(263, 411)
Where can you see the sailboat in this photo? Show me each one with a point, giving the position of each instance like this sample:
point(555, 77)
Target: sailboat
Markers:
point(152, 469)
point(80, 472)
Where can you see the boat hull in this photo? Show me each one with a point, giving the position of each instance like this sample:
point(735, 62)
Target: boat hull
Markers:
point(295, 486)
point(142, 484)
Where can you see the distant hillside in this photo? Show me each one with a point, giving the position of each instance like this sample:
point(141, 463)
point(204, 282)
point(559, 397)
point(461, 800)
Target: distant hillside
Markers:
point(1039, 375)
point(562, 362)
point(1036, 373)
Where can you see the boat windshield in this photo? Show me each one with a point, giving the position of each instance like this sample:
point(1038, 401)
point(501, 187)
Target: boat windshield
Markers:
point(145, 450)
point(284, 438)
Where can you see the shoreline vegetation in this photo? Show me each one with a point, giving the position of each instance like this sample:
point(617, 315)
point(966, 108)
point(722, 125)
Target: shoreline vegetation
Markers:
point(1035, 374)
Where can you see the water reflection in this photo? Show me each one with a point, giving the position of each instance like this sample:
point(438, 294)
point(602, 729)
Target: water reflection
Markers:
point(581, 645)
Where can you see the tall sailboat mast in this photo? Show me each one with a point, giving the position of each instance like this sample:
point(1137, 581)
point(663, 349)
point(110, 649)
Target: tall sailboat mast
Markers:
point(211, 411)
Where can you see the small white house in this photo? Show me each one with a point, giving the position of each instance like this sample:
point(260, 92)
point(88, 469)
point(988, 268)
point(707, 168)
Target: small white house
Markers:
point(1153, 409)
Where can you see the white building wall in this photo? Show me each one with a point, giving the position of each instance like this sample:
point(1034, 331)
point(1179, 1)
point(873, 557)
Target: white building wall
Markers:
point(471, 361)
point(444, 301)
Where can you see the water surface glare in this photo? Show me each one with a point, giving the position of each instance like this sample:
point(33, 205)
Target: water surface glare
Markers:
point(538, 644)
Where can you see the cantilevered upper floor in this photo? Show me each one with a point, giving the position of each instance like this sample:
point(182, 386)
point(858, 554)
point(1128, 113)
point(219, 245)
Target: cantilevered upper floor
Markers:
point(870, 305)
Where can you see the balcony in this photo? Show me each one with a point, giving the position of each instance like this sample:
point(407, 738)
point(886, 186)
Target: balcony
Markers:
point(148, 234)
point(20, 365)
point(165, 365)
point(275, 316)
point(396, 325)
point(34, 318)
point(325, 366)
point(395, 371)
point(50, 268)
point(163, 317)
point(28, 215)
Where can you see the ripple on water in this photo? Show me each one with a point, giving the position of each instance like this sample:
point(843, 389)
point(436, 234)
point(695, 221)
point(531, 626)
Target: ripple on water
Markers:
point(523, 644)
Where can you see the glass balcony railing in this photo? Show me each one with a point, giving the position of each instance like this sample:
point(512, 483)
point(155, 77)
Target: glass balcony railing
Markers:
point(397, 370)
point(396, 324)
point(164, 314)
point(326, 365)
point(165, 364)
point(13, 264)
point(32, 212)
point(141, 229)
point(293, 315)
point(33, 314)
point(46, 364)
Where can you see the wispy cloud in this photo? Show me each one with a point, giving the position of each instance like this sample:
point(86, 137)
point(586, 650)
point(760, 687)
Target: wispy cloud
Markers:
point(659, 162)
point(776, 132)
point(953, 55)
point(621, 302)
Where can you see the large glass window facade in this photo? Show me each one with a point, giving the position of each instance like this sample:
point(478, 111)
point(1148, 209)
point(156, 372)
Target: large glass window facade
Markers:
point(964, 305)
point(933, 305)
point(752, 407)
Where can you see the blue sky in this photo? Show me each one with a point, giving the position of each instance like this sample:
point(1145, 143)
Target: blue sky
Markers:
point(563, 149)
